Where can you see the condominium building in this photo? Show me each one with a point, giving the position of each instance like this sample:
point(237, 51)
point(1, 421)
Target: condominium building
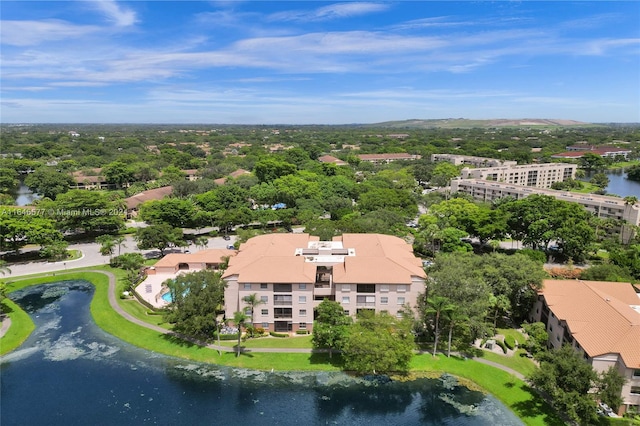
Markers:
point(292, 273)
point(599, 205)
point(459, 160)
point(537, 175)
point(387, 158)
point(599, 319)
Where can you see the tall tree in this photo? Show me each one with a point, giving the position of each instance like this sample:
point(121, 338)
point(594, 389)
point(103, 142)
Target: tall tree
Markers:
point(378, 343)
point(158, 237)
point(437, 306)
point(566, 377)
point(48, 182)
point(239, 320)
point(252, 300)
point(197, 297)
point(330, 329)
point(610, 385)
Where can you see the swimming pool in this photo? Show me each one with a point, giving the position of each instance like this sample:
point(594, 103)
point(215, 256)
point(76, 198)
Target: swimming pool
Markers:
point(167, 297)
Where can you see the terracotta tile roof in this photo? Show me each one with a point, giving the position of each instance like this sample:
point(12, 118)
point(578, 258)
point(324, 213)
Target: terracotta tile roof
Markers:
point(378, 259)
point(389, 156)
point(599, 315)
point(203, 256)
point(271, 258)
point(331, 159)
point(152, 194)
point(234, 174)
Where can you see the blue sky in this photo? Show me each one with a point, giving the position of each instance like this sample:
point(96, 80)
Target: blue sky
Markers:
point(269, 62)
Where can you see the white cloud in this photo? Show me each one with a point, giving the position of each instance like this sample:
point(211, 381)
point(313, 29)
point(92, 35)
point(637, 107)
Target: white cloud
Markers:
point(333, 11)
point(120, 16)
point(29, 33)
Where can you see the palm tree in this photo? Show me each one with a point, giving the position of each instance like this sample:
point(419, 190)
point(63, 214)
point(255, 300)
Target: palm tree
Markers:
point(252, 301)
point(107, 243)
point(438, 305)
point(629, 201)
point(239, 319)
point(201, 242)
point(454, 317)
point(119, 241)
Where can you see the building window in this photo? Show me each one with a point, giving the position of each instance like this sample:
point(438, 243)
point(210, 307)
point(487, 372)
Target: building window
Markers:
point(636, 373)
point(302, 286)
point(399, 315)
point(303, 312)
point(264, 299)
point(345, 299)
point(401, 288)
point(384, 288)
point(635, 390)
point(247, 286)
point(400, 300)
point(346, 287)
point(282, 299)
point(263, 286)
point(265, 325)
point(302, 299)
point(366, 288)
point(346, 312)
point(265, 312)
point(282, 288)
point(384, 300)
point(303, 326)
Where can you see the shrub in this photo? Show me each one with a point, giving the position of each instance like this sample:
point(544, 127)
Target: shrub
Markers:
point(302, 332)
point(259, 331)
point(274, 334)
point(226, 336)
point(510, 342)
point(502, 345)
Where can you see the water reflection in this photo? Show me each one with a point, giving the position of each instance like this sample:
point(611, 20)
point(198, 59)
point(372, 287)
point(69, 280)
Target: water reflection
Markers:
point(71, 372)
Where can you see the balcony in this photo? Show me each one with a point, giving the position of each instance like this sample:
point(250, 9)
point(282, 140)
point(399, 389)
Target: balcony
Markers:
point(322, 290)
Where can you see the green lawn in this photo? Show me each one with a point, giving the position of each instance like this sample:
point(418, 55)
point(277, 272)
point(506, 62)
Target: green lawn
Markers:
point(21, 327)
point(273, 342)
point(516, 362)
point(519, 337)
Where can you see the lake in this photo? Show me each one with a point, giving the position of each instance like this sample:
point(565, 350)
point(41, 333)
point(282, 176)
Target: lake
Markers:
point(620, 185)
point(70, 372)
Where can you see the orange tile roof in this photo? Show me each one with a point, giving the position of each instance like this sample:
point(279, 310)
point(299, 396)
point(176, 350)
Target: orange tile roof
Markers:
point(203, 256)
point(599, 316)
point(378, 259)
point(151, 194)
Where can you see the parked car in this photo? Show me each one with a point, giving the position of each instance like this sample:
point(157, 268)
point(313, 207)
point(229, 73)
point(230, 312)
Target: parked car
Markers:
point(226, 238)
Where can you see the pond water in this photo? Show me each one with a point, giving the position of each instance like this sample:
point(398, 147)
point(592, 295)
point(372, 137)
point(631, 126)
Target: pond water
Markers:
point(620, 185)
point(70, 372)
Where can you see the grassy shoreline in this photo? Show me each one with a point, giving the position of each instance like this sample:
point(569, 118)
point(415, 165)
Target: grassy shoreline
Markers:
point(514, 393)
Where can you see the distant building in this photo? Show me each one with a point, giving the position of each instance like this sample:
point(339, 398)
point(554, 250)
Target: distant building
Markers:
point(537, 175)
point(578, 151)
point(233, 175)
point(332, 160)
point(599, 319)
point(92, 179)
point(132, 203)
point(598, 205)
point(459, 160)
point(293, 273)
point(387, 158)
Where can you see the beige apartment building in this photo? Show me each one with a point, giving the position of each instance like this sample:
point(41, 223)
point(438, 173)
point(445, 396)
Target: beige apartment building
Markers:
point(458, 160)
point(536, 175)
point(292, 273)
point(599, 205)
point(599, 319)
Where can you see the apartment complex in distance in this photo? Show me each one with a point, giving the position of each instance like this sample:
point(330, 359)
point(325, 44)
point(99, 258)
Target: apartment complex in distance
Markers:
point(388, 158)
point(536, 175)
point(599, 319)
point(292, 273)
point(599, 205)
point(458, 160)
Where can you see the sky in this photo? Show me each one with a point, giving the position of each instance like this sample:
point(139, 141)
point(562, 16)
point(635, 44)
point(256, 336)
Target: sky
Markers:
point(306, 62)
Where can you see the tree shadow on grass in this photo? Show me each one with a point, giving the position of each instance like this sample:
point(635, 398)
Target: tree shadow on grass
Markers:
point(323, 358)
point(5, 309)
point(536, 406)
point(178, 340)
